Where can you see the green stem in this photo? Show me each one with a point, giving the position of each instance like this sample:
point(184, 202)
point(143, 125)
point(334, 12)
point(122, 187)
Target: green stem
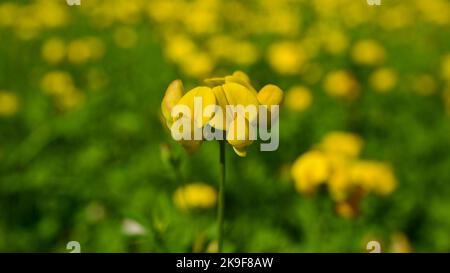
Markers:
point(221, 204)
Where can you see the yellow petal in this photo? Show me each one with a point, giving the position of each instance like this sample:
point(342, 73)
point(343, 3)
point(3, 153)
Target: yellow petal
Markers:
point(173, 94)
point(238, 134)
point(242, 75)
point(219, 121)
point(212, 82)
point(237, 94)
point(270, 95)
point(240, 152)
point(207, 98)
point(242, 79)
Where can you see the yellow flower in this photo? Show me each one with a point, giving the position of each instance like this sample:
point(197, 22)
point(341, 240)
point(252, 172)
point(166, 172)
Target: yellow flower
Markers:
point(233, 90)
point(310, 170)
point(341, 84)
point(9, 104)
point(197, 64)
point(342, 143)
point(383, 80)
point(60, 85)
point(57, 83)
point(53, 50)
point(374, 176)
point(334, 41)
point(195, 195)
point(298, 98)
point(368, 52)
point(173, 94)
point(286, 58)
point(82, 50)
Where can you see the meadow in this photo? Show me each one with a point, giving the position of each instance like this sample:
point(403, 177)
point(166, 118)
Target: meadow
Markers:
point(364, 126)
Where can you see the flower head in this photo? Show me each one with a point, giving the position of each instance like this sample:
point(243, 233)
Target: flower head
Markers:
point(232, 96)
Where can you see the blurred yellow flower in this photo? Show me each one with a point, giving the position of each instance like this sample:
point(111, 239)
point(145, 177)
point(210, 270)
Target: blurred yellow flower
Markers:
point(9, 104)
point(195, 195)
point(334, 163)
point(310, 170)
point(342, 143)
point(374, 176)
point(125, 37)
point(57, 82)
point(70, 100)
point(60, 85)
point(53, 50)
point(334, 41)
point(179, 46)
point(298, 98)
point(83, 50)
point(368, 52)
point(396, 17)
point(383, 80)
point(8, 13)
point(286, 58)
point(341, 84)
point(197, 65)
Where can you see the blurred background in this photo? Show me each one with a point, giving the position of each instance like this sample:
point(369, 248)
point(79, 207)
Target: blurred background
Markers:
point(364, 127)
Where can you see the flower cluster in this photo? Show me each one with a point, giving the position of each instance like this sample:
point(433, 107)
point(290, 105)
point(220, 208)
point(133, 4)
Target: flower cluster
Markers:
point(232, 90)
point(334, 163)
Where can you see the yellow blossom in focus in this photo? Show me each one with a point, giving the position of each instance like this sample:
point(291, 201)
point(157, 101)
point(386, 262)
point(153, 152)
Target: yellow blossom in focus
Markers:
point(231, 90)
point(54, 50)
point(195, 195)
point(368, 52)
point(298, 98)
point(383, 80)
point(9, 104)
point(341, 84)
point(310, 170)
point(286, 58)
